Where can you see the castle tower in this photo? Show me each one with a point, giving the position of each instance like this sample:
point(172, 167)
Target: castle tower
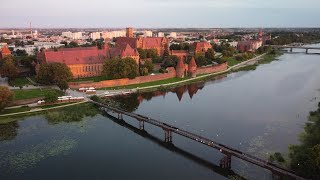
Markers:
point(180, 68)
point(192, 67)
point(5, 51)
point(129, 32)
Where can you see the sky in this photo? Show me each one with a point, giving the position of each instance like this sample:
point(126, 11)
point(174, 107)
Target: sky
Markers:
point(159, 13)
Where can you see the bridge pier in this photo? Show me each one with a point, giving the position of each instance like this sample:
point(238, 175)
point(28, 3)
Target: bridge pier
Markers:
point(120, 116)
point(225, 162)
point(291, 49)
point(307, 51)
point(141, 125)
point(167, 136)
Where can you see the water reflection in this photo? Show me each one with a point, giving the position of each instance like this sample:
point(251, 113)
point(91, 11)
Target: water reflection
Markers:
point(171, 147)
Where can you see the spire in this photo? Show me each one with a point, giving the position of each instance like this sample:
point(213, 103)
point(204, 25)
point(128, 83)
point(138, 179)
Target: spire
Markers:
point(192, 67)
point(180, 68)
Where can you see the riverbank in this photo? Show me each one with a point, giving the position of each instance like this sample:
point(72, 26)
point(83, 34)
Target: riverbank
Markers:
point(157, 85)
point(27, 110)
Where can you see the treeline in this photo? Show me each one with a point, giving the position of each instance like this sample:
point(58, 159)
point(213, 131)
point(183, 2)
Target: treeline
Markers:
point(282, 38)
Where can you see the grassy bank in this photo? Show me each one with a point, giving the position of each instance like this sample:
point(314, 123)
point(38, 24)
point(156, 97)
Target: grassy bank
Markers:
point(17, 82)
point(22, 94)
point(93, 79)
point(154, 83)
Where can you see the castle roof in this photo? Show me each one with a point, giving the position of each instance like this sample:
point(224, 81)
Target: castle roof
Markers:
point(123, 51)
point(5, 50)
point(152, 42)
point(147, 43)
point(202, 45)
point(80, 55)
point(192, 63)
point(123, 41)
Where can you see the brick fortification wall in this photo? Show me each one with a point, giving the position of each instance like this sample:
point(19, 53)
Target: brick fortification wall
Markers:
point(144, 79)
point(125, 81)
point(212, 69)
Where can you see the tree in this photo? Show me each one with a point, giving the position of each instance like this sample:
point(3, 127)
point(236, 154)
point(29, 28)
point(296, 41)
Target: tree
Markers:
point(6, 97)
point(63, 85)
point(149, 66)
point(142, 53)
point(117, 68)
point(201, 60)
point(21, 52)
point(53, 73)
point(144, 71)
point(170, 61)
point(51, 97)
point(210, 54)
point(8, 69)
point(151, 53)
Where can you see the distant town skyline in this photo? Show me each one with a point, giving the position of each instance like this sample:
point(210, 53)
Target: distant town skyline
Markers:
point(159, 13)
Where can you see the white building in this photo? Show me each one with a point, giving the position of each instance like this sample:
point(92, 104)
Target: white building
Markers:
point(160, 34)
point(147, 33)
point(95, 35)
point(2, 45)
point(71, 35)
point(113, 34)
point(38, 45)
point(173, 35)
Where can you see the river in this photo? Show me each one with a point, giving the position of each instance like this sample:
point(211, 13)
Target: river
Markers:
point(258, 112)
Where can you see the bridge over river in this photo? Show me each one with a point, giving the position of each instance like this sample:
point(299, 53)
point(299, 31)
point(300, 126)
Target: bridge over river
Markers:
point(225, 162)
point(291, 47)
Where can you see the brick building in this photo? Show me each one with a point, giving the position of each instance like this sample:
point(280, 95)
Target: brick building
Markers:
point(201, 47)
point(5, 51)
point(158, 43)
point(86, 61)
point(249, 46)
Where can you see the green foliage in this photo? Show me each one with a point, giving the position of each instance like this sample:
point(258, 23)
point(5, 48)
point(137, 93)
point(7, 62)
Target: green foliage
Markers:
point(51, 96)
point(53, 73)
point(157, 59)
point(72, 113)
point(277, 157)
point(294, 37)
point(147, 53)
point(170, 61)
point(33, 93)
point(142, 53)
point(63, 85)
point(96, 98)
point(210, 54)
point(151, 53)
point(6, 97)
point(8, 68)
point(201, 60)
point(221, 60)
point(117, 68)
point(305, 157)
point(180, 46)
point(163, 70)
point(149, 66)
point(19, 52)
point(144, 71)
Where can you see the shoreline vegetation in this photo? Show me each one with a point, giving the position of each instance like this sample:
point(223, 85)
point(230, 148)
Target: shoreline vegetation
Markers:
point(304, 158)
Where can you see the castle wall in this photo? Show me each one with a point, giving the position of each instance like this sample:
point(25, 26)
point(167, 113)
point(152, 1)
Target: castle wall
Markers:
point(212, 69)
point(125, 81)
